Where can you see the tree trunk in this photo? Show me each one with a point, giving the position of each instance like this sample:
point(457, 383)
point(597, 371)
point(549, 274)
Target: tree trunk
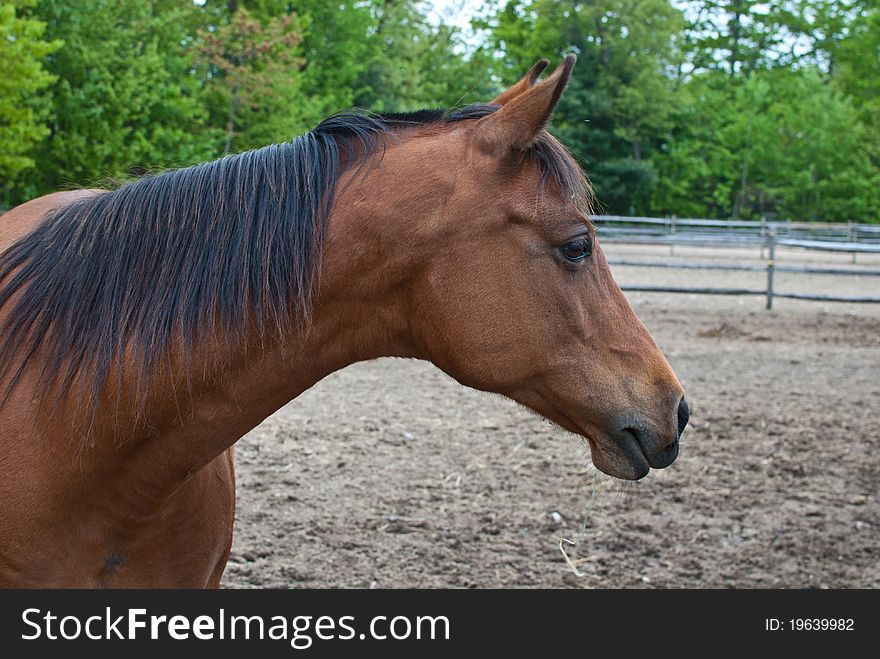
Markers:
point(743, 181)
point(230, 121)
point(606, 52)
point(736, 24)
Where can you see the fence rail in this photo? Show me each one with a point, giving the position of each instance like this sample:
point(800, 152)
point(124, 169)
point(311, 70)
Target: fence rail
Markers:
point(615, 227)
point(854, 243)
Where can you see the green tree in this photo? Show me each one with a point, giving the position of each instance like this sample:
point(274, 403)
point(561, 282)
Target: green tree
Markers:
point(741, 36)
point(334, 51)
point(413, 63)
point(780, 143)
point(253, 68)
point(22, 121)
point(125, 96)
point(846, 43)
point(619, 106)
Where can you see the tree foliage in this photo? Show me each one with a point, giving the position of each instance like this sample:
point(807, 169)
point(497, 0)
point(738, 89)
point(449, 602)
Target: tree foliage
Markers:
point(253, 69)
point(722, 108)
point(772, 144)
point(619, 105)
point(775, 113)
point(23, 49)
point(124, 97)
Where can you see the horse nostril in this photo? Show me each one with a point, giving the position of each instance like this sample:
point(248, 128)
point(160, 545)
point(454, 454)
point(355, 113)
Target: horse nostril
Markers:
point(683, 415)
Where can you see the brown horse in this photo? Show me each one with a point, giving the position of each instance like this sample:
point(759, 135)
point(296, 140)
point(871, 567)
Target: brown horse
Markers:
point(145, 330)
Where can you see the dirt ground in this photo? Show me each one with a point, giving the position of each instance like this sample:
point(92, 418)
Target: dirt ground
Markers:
point(390, 474)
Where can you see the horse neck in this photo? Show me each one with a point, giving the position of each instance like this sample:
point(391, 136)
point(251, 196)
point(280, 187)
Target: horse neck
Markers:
point(359, 313)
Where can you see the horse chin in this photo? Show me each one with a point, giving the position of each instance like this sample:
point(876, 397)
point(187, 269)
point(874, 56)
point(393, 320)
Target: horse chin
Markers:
point(624, 461)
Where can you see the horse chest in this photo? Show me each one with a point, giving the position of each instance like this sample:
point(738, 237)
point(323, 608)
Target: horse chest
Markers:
point(183, 543)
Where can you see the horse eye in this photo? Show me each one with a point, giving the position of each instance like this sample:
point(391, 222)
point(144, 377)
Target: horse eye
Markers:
point(577, 250)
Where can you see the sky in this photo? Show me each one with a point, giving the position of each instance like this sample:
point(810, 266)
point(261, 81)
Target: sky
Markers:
point(459, 13)
point(454, 12)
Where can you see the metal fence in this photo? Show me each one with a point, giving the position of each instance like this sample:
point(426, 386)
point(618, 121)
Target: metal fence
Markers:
point(673, 230)
point(847, 238)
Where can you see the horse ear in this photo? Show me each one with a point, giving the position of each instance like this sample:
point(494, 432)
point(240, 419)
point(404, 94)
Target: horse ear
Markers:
point(517, 122)
point(524, 84)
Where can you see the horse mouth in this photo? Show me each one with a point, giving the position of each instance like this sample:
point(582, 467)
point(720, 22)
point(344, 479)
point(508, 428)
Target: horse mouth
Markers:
point(631, 453)
point(631, 446)
point(621, 455)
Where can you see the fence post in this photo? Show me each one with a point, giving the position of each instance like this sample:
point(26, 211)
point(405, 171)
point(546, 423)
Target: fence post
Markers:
point(771, 266)
point(672, 233)
point(763, 234)
point(851, 236)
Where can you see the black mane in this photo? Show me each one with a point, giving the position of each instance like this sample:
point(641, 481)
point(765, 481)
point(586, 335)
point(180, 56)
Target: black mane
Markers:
point(204, 253)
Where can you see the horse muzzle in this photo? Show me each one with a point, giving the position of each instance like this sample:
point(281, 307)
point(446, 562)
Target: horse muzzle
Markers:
point(636, 447)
